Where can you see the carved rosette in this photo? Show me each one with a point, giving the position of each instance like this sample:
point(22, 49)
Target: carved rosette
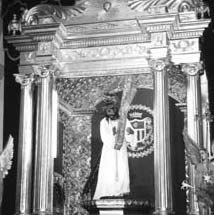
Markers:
point(192, 69)
point(24, 80)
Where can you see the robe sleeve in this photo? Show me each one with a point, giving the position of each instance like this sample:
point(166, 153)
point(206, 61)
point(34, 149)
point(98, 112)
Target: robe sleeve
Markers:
point(106, 134)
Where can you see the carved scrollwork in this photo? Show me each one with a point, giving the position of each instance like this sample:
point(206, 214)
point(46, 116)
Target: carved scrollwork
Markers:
point(157, 65)
point(31, 17)
point(149, 5)
point(191, 69)
point(42, 71)
point(117, 51)
point(24, 80)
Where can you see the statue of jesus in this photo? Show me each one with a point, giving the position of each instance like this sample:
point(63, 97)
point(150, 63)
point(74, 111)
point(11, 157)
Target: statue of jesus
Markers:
point(113, 174)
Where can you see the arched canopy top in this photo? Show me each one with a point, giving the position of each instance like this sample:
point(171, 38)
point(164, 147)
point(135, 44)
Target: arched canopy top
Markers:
point(87, 11)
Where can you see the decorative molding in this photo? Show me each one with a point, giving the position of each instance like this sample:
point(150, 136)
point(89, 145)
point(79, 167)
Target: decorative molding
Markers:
point(105, 68)
point(47, 32)
point(188, 34)
point(98, 53)
point(26, 47)
point(161, 6)
point(184, 46)
point(107, 27)
point(27, 58)
point(106, 41)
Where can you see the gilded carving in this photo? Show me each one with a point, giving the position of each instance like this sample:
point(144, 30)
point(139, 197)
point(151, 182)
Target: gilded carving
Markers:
point(28, 57)
point(44, 47)
point(123, 51)
point(116, 40)
point(187, 34)
point(157, 65)
point(24, 80)
point(155, 6)
point(158, 39)
point(42, 71)
point(184, 46)
point(31, 17)
point(192, 69)
point(103, 26)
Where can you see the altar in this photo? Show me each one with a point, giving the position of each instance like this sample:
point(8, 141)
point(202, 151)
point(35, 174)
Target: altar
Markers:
point(69, 58)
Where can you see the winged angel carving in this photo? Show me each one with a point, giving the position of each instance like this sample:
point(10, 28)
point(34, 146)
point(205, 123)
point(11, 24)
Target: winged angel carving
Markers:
point(6, 157)
point(204, 174)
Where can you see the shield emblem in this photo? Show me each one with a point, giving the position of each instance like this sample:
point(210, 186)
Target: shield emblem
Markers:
point(141, 135)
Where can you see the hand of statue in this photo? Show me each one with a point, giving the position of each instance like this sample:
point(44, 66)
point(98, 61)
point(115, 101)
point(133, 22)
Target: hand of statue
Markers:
point(129, 131)
point(117, 146)
point(114, 130)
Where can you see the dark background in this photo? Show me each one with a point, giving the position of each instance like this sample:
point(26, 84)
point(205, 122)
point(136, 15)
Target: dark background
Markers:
point(12, 93)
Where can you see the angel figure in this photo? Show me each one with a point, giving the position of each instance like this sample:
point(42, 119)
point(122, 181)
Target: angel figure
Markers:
point(204, 174)
point(6, 157)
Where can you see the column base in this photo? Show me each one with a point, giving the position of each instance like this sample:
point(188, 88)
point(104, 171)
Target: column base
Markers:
point(166, 212)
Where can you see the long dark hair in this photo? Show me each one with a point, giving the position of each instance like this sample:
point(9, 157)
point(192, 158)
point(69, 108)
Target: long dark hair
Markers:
point(116, 112)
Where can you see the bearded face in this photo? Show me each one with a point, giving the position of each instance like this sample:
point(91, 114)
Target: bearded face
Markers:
point(112, 113)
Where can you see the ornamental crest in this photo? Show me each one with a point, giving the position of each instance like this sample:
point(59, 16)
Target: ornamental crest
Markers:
point(139, 131)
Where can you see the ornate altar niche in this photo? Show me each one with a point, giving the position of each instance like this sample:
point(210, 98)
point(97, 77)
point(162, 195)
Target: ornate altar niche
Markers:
point(71, 56)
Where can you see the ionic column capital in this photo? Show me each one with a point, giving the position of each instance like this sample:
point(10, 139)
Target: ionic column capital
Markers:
point(44, 71)
point(192, 69)
point(24, 80)
point(157, 64)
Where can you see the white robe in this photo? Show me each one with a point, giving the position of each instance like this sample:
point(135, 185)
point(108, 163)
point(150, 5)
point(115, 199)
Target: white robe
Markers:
point(113, 175)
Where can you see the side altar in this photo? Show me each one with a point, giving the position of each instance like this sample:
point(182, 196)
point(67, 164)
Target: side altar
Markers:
point(69, 58)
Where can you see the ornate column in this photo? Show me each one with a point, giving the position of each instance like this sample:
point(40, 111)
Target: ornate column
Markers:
point(194, 124)
point(43, 175)
point(206, 117)
point(194, 112)
point(24, 179)
point(162, 160)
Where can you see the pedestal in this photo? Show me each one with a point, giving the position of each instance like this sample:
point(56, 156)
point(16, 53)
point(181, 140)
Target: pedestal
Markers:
point(118, 207)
